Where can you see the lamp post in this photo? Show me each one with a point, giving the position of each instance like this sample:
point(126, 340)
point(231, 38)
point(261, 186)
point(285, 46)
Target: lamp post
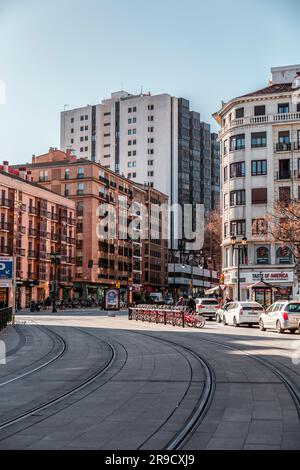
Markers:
point(55, 260)
point(237, 246)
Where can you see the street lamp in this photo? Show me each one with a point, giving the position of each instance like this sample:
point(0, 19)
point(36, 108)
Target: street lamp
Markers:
point(239, 246)
point(55, 260)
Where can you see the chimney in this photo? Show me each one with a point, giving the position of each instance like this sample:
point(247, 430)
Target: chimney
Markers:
point(6, 166)
point(33, 160)
point(22, 172)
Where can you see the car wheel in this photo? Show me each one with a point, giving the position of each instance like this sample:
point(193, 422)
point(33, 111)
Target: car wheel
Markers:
point(218, 319)
point(293, 331)
point(261, 325)
point(224, 320)
point(278, 327)
point(235, 323)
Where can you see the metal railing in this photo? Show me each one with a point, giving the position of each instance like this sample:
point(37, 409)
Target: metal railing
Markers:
point(5, 317)
point(166, 315)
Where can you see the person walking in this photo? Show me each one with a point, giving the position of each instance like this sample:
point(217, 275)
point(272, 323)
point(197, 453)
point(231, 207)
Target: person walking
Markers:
point(180, 302)
point(191, 304)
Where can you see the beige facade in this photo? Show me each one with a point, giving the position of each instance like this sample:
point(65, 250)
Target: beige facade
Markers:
point(104, 262)
point(35, 222)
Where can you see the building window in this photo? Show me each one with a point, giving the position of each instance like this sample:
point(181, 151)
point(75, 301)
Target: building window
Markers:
point(150, 152)
point(150, 162)
point(81, 139)
point(284, 255)
point(150, 129)
point(151, 140)
point(259, 110)
point(150, 107)
point(226, 233)
point(107, 124)
point(225, 173)
point(260, 196)
point(129, 142)
point(86, 117)
point(67, 174)
point(81, 149)
point(129, 175)
point(298, 107)
point(150, 173)
point(80, 173)
point(86, 128)
point(129, 131)
point(106, 156)
point(284, 169)
point(86, 149)
point(72, 141)
point(134, 120)
point(262, 255)
point(81, 118)
point(258, 167)
point(67, 189)
point(72, 130)
point(239, 113)
point(258, 139)
point(107, 114)
point(134, 153)
point(81, 128)
point(285, 194)
point(80, 189)
point(226, 201)
point(238, 227)
point(238, 198)
point(129, 121)
point(225, 147)
point(134, 142)
point(259, 227)
point(133, 175)
point(150, 118)
point(86, 138)
point(283, 108)
point(237, 169)
point(134, 109)
point(129, 154)
point(134, 131)
point(237, 142)
point(130, 110)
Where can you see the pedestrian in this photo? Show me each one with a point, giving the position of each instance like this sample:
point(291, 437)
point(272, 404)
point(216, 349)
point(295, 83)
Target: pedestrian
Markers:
point(180, 302)
point(191, 303)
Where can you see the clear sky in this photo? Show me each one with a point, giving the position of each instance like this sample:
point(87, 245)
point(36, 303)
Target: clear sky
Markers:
point(57, 52)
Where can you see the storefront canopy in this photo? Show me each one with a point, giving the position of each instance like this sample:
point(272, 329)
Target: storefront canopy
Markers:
point(212, 290)
point(262, 285)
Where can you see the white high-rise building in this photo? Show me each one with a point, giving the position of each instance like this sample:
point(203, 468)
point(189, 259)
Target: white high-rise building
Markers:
point(154, 140)
point(260, 164)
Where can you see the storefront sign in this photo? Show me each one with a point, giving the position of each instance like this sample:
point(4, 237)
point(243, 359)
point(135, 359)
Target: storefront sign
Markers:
point(250, 278)
point(6, 268)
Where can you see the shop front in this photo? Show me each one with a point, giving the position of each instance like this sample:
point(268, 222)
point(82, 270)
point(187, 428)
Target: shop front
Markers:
point(284, 285)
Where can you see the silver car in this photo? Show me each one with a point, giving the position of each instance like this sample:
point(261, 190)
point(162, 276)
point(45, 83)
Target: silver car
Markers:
point(282, 315)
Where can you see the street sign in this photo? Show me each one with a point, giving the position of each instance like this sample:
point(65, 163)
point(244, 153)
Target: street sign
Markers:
point(6, 268)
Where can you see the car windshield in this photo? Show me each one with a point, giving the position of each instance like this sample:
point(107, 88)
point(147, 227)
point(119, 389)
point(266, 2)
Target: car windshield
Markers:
point(252, 307)
point(293, 308)
point(209, 302)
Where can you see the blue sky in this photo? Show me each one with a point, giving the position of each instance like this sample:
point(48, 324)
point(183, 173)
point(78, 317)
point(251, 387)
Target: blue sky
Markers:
point(56, 52)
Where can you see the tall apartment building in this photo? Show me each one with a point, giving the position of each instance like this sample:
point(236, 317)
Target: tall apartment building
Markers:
point(260, 164)
point(35, 222)
point(102, 262)
point(215, 172)
point(155, 140)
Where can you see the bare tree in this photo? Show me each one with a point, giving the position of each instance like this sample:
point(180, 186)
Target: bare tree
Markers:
point(284, 225)
point(213, 240)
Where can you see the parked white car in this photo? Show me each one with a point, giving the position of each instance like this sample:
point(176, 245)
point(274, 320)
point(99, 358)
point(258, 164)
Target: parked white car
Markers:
point(241, 313)
point(282, 316)
point(220, 313)
point(207, 307)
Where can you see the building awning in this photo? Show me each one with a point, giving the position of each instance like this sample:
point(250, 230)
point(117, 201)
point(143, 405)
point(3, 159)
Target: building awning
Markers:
point(212, 290)
point(261, 285)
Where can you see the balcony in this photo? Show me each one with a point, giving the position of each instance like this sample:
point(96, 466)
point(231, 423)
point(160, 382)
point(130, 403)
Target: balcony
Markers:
point(32, 210)
point(104, 180)
point(71, 241)
point(283, 147)
point(80, 192)
point(32, 254)
point(22, 229)
point(63, 238)
point(6, 203)
point(5, 226)
point(79, 261)
point(54, 216)
point(54, 237)
point(43, 179)
point(20, 251)
point(283, 175)
point(71, 221)
point(32, 232)
point(79, 244)
point(5, 250)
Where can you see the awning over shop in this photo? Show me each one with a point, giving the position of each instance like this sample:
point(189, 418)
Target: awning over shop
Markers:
point(262, 285)
point(213, 290)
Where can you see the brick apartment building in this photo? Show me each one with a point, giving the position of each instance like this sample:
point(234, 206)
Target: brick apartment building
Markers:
point(35, 222)
point(100, 263)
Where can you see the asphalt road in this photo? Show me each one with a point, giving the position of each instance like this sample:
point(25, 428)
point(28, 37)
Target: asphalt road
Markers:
point(82, 380)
